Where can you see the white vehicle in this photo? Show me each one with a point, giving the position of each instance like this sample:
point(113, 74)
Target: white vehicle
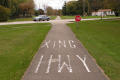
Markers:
point(41, 18)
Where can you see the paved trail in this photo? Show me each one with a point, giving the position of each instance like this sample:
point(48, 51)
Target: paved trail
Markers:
point(62, 57)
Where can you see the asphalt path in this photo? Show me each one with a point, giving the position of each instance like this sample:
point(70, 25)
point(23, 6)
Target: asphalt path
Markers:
point(63, 57)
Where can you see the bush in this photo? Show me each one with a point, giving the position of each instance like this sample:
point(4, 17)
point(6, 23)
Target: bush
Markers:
point(117, 13)
point(4, 13)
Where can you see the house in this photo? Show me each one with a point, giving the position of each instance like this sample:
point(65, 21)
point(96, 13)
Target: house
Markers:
point(103, 12)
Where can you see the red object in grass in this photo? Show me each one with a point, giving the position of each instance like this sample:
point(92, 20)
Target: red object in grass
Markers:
point(77, 18)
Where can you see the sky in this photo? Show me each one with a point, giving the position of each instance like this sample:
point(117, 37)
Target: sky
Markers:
point(55, 4)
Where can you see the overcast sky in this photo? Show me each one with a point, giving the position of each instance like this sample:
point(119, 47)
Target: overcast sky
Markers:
point(55, 4)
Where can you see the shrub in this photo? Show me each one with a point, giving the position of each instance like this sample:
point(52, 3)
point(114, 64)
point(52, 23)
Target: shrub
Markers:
point(4, 13)
point(117, 13)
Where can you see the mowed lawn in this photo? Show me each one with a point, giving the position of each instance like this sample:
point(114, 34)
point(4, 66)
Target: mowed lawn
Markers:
point(67, 17)
point(28, 19)
point(85, 17)
point(52, 17)
point(20, 19)
point(102, 40)
point(18, 45)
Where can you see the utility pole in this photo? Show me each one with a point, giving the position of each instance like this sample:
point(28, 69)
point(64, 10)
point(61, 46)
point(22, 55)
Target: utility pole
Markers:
point(39, 5)
point(83, 7)
point(88, 4)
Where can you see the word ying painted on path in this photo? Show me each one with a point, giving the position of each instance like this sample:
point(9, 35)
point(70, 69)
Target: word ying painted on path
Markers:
point(59, 44)
point(61, 64)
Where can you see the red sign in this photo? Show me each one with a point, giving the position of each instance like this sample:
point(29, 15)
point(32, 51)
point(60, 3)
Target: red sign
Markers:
point(77, 18)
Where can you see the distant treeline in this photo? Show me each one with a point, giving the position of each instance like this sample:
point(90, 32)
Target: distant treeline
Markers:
point(85, 7)
point(49, 11)
point(11, 9)
point(15, 8)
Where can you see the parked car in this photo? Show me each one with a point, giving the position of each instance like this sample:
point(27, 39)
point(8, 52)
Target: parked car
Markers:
point(41, 18)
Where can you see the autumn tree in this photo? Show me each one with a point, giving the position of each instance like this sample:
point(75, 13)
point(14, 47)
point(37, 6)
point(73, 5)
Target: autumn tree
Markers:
point(49, 10)
point(27, 8)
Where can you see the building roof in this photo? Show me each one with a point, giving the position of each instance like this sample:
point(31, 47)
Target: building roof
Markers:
point(103, 10)
point(94, 12)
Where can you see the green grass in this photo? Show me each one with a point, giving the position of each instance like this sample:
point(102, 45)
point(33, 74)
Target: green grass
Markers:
point(18, 45)
point(86, 17)
point(27, 19)
point(67, 17)
point(102, 39)
point(52, 17)
point(20, 19)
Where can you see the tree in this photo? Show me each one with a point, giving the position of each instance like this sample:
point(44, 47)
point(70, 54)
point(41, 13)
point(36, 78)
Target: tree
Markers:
point(49, 10)
point(59, 12)
point(72, 8)
point(18, 7)
point(64, 9)
point(114, 5)
point(39, 12)
point(27, 8)
point(5, 3)
point(88, 6)
point(4, 13)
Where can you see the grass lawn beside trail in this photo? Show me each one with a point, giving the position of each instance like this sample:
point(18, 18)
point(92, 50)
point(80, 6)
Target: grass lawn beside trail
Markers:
point(20, 19)
point(28, 19)
point(18, 45)
point(52, 17)
point(102, 40)
point(67, 17)
point(85, 17)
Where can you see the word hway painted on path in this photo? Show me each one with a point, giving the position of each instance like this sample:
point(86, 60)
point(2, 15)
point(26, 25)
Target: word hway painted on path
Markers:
point(62, 64)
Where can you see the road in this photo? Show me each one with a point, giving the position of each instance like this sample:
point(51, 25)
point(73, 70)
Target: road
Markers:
point(63, 57)
point(51, 21)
